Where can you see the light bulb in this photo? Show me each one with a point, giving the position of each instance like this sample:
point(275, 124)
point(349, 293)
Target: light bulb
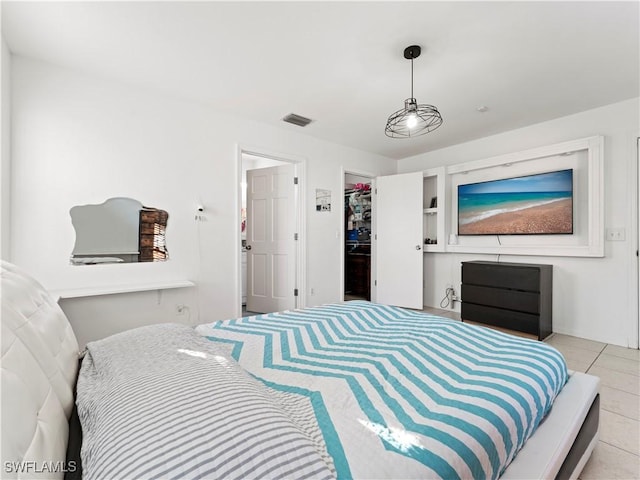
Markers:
point(412, 121)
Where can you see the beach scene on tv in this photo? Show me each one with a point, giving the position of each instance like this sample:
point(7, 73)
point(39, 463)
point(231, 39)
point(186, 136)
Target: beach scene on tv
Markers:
point(527, 205)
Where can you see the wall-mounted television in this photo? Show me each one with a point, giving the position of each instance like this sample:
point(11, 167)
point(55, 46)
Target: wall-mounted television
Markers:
point(539, 204)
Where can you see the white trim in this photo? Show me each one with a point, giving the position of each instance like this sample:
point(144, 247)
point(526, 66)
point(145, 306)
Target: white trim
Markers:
point(237, 224)
point(299, 163)
point(596, 196)
point(525, 155)
point(301, 254)
point(633, 284)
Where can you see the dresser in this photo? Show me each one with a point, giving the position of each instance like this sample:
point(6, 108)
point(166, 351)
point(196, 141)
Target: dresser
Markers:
point(516, 296)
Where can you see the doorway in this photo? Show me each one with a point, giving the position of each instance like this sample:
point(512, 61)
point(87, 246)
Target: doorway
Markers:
point(358, 236)
point(269, 218)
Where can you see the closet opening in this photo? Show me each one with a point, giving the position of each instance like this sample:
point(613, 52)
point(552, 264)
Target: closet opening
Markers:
point(358, 209)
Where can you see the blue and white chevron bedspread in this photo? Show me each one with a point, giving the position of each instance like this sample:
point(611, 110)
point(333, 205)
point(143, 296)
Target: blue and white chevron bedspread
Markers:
point(402, 394)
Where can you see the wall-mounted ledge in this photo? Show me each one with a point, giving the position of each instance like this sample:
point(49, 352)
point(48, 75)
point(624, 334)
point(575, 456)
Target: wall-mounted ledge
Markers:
point(116, 289)
point(544, 251)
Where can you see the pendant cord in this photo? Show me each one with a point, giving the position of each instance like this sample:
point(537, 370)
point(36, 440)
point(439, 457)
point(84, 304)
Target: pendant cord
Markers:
point(411, 77)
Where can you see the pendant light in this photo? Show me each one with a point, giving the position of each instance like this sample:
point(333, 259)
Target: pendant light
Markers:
point(412, 120)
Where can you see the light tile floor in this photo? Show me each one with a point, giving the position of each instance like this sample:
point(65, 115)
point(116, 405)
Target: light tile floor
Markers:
point(617, 455)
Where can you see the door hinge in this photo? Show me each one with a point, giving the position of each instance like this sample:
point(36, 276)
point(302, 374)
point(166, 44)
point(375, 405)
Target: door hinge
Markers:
point(376, 191)
point(295, 292)
point(375, 283)
point(375, 236)
point(295, 180)
point(295, 236)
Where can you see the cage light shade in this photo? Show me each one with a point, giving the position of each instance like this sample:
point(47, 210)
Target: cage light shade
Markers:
point(413, 120)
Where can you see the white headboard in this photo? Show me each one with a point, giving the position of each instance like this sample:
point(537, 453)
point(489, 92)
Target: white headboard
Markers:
point(39, 370)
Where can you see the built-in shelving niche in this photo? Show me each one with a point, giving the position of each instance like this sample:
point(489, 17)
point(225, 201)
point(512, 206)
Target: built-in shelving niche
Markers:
point(434, 203)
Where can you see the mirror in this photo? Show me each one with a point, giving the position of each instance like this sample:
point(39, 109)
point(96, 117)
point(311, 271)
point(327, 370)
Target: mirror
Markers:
point(120, 230)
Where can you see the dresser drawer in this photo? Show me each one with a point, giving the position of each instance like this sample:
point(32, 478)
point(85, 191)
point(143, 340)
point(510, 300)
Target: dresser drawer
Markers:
point(501, 276)
point(528, 302)
point(522, 322)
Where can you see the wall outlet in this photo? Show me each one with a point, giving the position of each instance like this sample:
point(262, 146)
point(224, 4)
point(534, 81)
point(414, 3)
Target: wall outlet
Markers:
point(180, 309)
point(450, 292)
point(615, 234)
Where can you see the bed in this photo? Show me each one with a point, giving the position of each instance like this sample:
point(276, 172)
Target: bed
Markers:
point(352, 390)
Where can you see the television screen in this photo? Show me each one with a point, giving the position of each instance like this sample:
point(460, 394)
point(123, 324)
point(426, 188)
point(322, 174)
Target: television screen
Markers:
point(540, 204)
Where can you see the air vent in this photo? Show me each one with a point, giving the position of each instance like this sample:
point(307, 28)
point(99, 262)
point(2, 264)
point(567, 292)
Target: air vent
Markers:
point(297, 120)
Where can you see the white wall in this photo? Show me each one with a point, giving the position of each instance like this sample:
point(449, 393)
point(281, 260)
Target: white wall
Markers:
point(594, 298)
point(78, 140)
point(5, 153)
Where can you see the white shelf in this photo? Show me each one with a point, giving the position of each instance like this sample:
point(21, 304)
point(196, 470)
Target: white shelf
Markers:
point(115, 289)
point(431, 211)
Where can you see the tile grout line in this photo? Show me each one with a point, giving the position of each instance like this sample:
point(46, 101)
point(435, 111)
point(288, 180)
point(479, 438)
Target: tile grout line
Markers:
point(612, 369)
point(619, 414)
point(596, 359)
point(616, 389)
point(622, 358)
point(623, 449)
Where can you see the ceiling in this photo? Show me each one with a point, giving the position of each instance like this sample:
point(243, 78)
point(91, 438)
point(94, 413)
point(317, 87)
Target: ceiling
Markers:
point(341, 63)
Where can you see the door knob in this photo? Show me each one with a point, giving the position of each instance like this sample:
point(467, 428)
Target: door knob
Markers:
point(418, 247)
point(248, 247)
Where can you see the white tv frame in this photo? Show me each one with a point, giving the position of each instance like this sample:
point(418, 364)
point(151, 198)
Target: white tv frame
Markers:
point(593, 244)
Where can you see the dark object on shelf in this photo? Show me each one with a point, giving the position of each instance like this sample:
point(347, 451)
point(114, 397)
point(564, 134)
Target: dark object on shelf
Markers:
point(517, 296)
point(434, 202)
point(364, 234)
point(428, 241)
point(153, 226)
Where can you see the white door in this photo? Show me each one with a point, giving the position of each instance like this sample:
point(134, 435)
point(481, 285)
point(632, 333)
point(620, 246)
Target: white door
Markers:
point(271, 265)
point(399, 246)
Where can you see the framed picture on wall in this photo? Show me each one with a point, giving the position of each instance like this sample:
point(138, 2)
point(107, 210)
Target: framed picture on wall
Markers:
point(323, 200)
